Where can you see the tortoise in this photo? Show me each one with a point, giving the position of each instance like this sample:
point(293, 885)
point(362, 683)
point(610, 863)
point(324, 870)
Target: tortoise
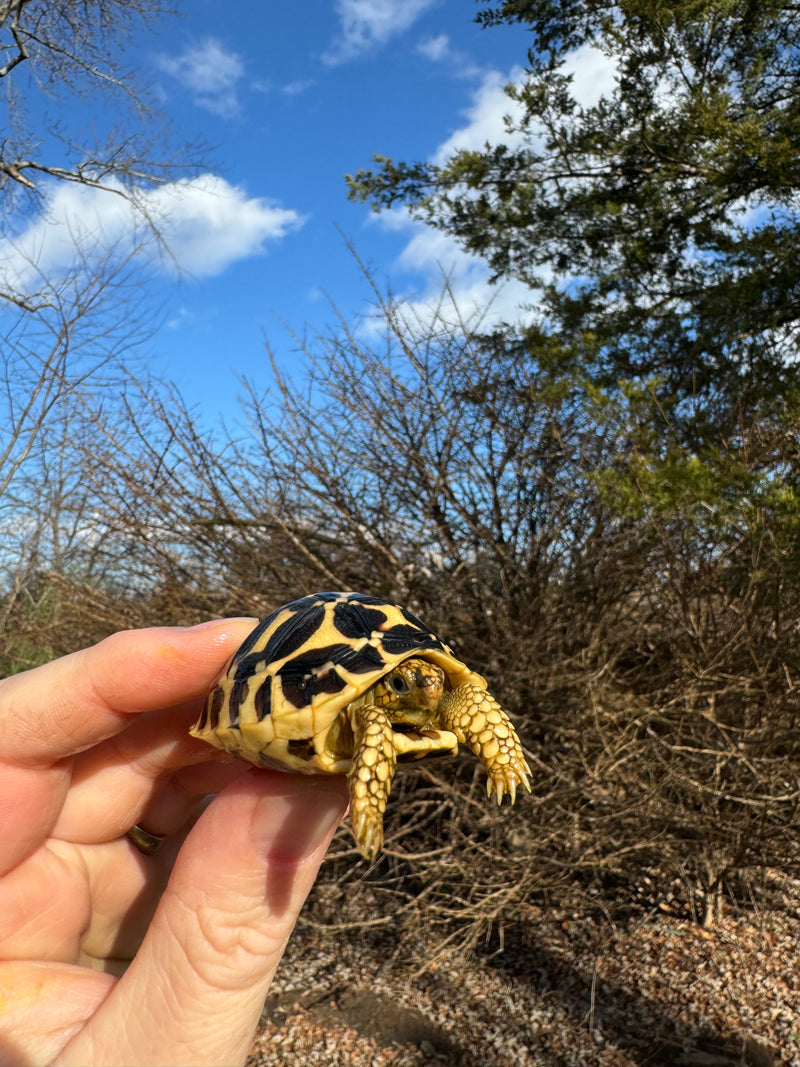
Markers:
point(346, 683)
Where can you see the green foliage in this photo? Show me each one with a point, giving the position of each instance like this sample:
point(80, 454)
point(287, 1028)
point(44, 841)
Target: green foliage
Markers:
point(27, 617)
point(660, 218)
point(23, 654)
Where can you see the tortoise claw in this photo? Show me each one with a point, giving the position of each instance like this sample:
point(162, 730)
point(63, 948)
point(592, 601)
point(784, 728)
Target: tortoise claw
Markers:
point(502, 779)
point(368, 832)
point(477, 720)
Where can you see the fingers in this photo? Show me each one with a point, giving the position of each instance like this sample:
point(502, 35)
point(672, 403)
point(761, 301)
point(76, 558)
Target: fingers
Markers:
point(152, 773)
point(54, 711)
point(195, 990)
point(77, 701)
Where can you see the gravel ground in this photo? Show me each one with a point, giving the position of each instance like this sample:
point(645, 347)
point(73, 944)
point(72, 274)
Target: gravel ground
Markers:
point(563, 992)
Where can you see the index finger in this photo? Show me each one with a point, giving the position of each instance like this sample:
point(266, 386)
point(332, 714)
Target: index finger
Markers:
point(72, 703)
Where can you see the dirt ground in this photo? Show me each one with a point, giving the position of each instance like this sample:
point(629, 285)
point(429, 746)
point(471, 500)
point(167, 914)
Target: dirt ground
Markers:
point(562, 991)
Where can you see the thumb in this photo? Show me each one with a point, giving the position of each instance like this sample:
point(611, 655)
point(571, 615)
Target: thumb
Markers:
point(195, 990)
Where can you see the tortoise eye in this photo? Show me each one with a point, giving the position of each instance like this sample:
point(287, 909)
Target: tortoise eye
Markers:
point(398, 683)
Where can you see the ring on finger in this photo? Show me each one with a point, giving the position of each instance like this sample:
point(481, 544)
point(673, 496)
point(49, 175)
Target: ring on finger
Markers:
point(143, 840)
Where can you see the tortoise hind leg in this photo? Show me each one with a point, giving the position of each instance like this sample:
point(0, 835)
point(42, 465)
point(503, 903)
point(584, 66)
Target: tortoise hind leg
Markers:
point(478, 721)
point(370, 777)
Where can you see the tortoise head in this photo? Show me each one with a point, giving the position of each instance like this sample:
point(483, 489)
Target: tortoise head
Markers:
point(410, 693)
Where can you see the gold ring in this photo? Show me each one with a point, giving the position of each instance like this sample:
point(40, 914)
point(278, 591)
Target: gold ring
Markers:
point(146, 842)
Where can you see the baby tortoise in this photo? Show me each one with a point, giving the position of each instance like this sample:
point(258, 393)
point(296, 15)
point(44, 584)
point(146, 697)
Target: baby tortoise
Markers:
point(343, 683)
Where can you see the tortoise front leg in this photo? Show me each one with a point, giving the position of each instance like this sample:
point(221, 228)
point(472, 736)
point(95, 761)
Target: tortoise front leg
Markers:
point(477, 720)
point(370, 777)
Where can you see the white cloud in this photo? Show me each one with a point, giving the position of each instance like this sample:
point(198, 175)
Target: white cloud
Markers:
point(435, 258)
point(209, 224)
point(593, 76)
point(454, 285)
point(206, 223)
point(435, 48)
point(296, 88)
point(210, 71)
point(440, 50)
point(368, 24)
point(434, 255)
point(485, 116)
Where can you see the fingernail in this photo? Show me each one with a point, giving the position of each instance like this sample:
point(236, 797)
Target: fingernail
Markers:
point(290, 826)
point(220, 622)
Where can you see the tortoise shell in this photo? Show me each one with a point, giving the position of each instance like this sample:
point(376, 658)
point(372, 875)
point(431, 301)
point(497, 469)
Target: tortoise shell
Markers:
point(299, 668)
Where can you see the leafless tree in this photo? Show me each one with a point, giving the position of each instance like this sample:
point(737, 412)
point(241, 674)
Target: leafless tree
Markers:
point(65, 319)
point(57, 58)
point(55, 366)
point(648, 658)
point(67, 50)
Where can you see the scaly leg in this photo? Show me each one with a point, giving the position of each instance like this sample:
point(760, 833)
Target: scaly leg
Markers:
point(370, 777)
point(477, 720)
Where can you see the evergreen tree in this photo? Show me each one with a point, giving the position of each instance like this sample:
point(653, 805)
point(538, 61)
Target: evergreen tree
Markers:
point(659, 224)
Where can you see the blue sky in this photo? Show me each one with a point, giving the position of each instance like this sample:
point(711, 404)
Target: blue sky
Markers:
point(292, 97)
point(289, 98)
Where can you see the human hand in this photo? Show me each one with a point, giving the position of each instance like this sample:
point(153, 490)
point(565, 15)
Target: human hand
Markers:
point(92, 744)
